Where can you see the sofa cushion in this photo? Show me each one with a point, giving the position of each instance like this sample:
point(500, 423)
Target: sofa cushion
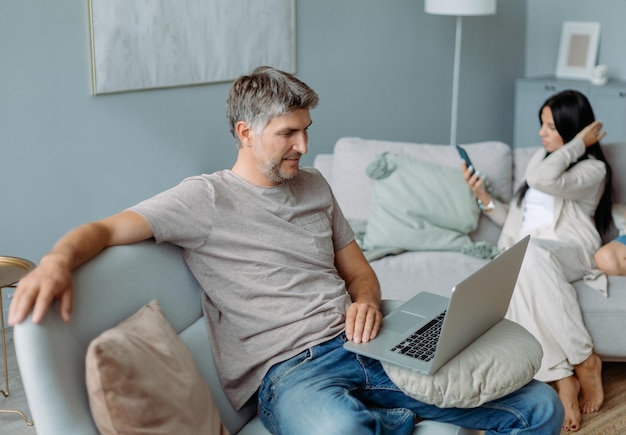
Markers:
point(619, 217)
point(615, 153)
point(501, 361)
point(402, 276)
point(142, 378)
point(521, 157)
point(417, 205)
point(353, 188)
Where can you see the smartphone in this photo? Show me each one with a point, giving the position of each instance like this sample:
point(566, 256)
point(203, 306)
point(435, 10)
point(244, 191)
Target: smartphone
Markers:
point(465, 157)
point(468, 162)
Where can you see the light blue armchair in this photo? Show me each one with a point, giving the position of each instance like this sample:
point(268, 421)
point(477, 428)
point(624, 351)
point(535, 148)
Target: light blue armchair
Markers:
point(108, 289)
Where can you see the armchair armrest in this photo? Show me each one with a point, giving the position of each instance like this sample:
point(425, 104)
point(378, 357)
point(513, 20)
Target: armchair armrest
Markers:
point(108, 289)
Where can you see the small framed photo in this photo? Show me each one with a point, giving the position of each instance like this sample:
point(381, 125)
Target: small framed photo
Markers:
point(578, 50)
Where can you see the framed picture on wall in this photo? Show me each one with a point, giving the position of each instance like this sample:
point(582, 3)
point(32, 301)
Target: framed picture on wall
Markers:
point(578, 49)
point(139, 44)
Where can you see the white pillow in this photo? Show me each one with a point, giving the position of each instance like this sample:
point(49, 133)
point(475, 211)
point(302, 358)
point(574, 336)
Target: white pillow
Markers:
point(501, 361)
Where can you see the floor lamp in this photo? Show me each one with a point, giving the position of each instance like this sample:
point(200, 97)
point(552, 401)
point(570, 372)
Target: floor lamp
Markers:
point(458, 8)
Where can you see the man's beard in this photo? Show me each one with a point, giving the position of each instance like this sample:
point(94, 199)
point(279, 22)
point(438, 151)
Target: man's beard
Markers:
point(273, 172)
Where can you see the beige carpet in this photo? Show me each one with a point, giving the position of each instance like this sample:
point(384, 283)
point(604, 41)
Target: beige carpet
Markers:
point(612, 416)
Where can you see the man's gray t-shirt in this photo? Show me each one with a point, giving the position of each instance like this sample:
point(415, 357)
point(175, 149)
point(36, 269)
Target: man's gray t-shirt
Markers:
point(265, 259)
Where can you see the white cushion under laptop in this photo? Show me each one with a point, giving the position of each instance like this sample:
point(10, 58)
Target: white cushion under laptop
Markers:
point(428, 330)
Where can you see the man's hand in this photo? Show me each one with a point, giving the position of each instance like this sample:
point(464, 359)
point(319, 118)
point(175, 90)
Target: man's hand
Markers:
point(53, 278)
point(363, 322)
point(363, 318)
point(49, 281)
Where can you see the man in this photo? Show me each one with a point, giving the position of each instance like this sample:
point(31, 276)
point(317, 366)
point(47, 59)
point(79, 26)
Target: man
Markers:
point(285, 283)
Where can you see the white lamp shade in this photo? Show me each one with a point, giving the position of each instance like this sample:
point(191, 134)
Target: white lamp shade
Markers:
point(460, 7)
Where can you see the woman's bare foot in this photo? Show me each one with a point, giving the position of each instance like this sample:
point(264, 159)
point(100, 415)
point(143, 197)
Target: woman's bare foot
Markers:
point(568, 389)
point(589, 374)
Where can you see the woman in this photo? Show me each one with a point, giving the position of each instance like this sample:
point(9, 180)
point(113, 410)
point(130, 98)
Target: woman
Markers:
point(564, 204)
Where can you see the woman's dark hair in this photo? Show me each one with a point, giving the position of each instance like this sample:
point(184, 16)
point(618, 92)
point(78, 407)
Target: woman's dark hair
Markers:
point(572, 112)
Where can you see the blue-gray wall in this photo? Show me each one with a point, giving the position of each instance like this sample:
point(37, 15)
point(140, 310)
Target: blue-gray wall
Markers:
point(545, 19)
point(383, 70)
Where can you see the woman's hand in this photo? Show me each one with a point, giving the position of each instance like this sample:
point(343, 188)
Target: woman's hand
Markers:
point(592, 133)
point(476, 182)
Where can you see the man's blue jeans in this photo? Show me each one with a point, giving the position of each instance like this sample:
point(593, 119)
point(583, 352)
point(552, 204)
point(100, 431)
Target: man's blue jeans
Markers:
point(327, 390)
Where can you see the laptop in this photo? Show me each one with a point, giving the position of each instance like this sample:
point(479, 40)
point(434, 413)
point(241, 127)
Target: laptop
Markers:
point(428, 330)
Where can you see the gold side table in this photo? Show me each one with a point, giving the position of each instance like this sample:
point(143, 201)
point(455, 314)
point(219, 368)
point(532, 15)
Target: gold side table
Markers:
point(12, 269)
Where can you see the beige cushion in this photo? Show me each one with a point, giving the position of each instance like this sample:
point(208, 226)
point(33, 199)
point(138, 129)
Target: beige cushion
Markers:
point(521, 157)
point(141, 378)
point(615, 153)
point(501, 361)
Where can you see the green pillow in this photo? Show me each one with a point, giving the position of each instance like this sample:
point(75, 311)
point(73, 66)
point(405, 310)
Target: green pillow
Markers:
point(418, 206)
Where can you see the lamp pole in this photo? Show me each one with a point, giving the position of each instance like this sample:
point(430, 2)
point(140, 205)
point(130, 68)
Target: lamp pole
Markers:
point(455, 81)
point(458, 8)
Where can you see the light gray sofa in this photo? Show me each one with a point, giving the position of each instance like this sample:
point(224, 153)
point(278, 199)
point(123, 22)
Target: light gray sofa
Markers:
point(403, 275)
point(108, 289)
point(114, 285)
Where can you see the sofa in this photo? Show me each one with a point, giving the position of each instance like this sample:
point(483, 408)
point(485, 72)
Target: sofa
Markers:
point(403, 274)
point(107, 290)
point(114, 285)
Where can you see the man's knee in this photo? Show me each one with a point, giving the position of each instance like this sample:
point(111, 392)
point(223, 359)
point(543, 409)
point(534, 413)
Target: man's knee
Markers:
point(548, 412)
point(337, 413)
point(320, 417)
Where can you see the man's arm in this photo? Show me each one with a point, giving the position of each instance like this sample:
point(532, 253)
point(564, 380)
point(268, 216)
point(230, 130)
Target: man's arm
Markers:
point(52, 278)
point(363, 318)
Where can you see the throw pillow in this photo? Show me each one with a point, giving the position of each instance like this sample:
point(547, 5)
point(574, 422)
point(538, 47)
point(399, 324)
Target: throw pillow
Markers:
point(141, 378)
point(501, 361)
point(418, 206)
point(351, 155)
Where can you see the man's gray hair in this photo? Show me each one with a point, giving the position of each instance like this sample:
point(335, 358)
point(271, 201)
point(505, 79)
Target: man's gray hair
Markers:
point(265, 94)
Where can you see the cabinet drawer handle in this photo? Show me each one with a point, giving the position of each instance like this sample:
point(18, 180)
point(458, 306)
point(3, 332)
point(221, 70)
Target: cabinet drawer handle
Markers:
point(622, 94)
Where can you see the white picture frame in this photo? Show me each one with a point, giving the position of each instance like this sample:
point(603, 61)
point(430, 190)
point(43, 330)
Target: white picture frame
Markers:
point(151, 44)
point(578, 49)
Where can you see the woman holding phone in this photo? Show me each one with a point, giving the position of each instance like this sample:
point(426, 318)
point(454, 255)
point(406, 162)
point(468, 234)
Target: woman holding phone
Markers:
point(564, 204)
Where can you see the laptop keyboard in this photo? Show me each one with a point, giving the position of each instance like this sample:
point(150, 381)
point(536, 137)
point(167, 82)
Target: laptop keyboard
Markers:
point(423, 343)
